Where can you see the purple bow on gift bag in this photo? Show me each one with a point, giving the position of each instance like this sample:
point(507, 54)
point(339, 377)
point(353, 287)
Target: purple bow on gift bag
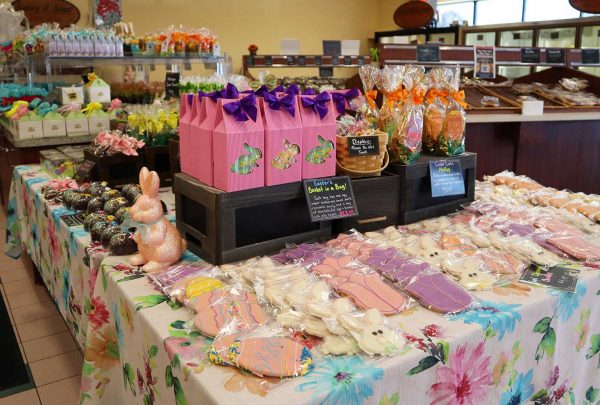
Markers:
point(318, 104)
point(243, 108)
point(293, 89)
point(215, 95)
point(278, 89)
point(202, 94)
point(287, 103)
point(230, 91)
point(340, 99)
point(261, 91)
point(190, 98)
point(309, 92)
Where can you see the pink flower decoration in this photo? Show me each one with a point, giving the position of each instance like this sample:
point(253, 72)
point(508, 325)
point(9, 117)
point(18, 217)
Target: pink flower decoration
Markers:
point(98, 314)
point(465, 380)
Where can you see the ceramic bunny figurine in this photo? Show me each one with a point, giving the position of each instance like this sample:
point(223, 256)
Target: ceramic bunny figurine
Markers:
point(159, 242)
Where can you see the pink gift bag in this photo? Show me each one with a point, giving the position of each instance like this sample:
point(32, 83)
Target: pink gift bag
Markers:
point(185, 113)
point(199, 159)
point(185, 131)
point(345, 99)
point(318, 135)
point(283, 139)
point(238, 146)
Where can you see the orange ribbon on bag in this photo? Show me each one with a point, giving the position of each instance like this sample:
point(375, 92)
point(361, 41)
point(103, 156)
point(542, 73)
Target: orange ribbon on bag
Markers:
point(459, 97)
point(418, 95)
point(441, 94)
point(370, 97)
point(395, 96)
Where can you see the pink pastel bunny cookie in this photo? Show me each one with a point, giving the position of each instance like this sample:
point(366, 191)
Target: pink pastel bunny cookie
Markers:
point(159, 242)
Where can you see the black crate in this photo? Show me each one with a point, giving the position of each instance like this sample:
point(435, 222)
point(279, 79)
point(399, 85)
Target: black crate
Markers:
point(118, 169)
point(225, 227)
point(416, 202)
point(157, 158)
point(174, 159)
point(378, 203)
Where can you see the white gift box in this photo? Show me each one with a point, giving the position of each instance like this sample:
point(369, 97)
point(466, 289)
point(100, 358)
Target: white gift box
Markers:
point(98, 124)
point(72, 94)
point(100, 94)
point(24, 129)
point(77, 127)
point(54, 128)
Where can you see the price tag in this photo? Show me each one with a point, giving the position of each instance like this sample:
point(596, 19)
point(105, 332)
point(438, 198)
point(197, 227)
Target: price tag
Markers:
point(325, 72)
point(268, 60)
point(428, 53)
point(172, 85)
point(485, 62)
point(301, 60)
point(557, 277)
point(446, 178)
point(361, 61)
point(291, 60)
point(318, 61)
point(250, 60)
point(590, 56)
point(530, 55)
point(555, 55)
point(73, 219)
point(363, 145)
point(84, 170)
point(330, 198)
point(347, 60)
point(335, 60)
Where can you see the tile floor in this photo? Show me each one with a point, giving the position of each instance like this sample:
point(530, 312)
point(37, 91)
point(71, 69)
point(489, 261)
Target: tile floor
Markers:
point(46, 344)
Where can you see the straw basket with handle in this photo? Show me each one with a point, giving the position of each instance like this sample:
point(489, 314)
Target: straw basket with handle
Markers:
point(364, 165)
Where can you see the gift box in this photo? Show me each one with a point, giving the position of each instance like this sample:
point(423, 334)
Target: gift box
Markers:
point(318, 135)
point(238, 145)
point(73, 94)
point(96, 90)
point(54, 125)
point(98, 121)
point(27, 127)
point(77, 124)
point(188, 110)
point(283, 139)
point(56, 164)
point(199, 163)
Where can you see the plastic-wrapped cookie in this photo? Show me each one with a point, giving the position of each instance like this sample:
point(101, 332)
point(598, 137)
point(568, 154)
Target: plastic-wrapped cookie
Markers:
point(111, 206)
point(108, 233)
point(122, 244)
point(80, 201)
point(96, 204)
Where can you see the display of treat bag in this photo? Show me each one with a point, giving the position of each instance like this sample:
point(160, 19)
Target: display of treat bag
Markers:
point(451, 141)
point(437, 101)
point(188, 109)
point(368, 75)
point(96, 89)
point(238, 145)
point(189, 157)
point(406, 140)
point(318, 135)
point(389, 83)
point(283, 138)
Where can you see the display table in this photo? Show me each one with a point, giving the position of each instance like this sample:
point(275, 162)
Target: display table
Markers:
point(520, 342)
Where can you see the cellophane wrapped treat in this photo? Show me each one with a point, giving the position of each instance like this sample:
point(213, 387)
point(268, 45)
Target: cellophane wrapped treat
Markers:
point(451, 141)
point(389, 83)
point(406, 140)
point(368, 75)
point(437, 101)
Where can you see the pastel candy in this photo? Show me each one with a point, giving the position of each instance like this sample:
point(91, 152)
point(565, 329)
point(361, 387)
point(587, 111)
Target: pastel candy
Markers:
point(219, 308)
point(220, 349)
point(201, 285)
point(271, 356)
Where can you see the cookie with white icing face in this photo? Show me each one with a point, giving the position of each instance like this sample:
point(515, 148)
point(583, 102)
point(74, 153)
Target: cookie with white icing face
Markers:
point(371, 334)
point(338, 345)
point(469, 273)
point(427, 249)
point(315, 326)
point(532, 251)
point(291, 319)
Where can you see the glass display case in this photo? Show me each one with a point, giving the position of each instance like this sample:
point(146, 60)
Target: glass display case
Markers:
point(421, 36)
point(590, 38)
point(480, 38)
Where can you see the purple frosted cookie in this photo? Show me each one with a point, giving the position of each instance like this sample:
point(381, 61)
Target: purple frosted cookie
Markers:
point(438, 293)
point(305, 253)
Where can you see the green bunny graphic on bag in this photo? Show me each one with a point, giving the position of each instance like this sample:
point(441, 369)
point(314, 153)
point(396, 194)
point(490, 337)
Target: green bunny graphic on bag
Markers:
point(245, 164)
point(318, 154)
point(287, 156)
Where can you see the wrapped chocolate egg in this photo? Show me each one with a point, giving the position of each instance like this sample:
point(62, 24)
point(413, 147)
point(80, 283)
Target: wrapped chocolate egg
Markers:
point(108, 233)
point(80, 201)
point(133, 193)
point(96, 204)
point(68, 197)
point(127, 187)
point(91, 219)
point(111, 206)
point(97, 191)
point(97, 228)
point(50, 194)
point(99, 183)
point(122, 244)
point(110, 194)
point(85, 188)
point(121, 213)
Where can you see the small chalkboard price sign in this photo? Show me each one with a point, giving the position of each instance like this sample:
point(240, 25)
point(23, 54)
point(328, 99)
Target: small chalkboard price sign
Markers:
point(73, 219)
point(446, 178)
point(555, 55)
point(84, 170)
point(172, 85)
point(530, 55)
point(590, 56)
point(363, 145)
point(330, 198)
point(428, 53)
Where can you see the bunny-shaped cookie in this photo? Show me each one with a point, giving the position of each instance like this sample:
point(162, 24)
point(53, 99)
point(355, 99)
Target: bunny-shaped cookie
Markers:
point(370, 332)
point(159, 242)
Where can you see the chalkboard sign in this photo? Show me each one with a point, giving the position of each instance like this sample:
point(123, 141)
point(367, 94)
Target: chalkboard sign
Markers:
point(363, 145)
point(291, 60)
point(555, 55)
point(428, 53)
point(590, 56)
point(268, 60)
point(325, 72)
point(332, 48)
point(335, 60)
point(530, 55)
point(73, 219)
point(347, 60)
point(301, 60)
point(172, 85)
point(84, 170)
point(250, 60)
point(361, 61)
point(446, 178)
point(318, 61)
point(557, 277)
point(330, 198)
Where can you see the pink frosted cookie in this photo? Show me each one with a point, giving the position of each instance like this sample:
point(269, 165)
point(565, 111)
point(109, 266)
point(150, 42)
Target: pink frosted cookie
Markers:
point(271, 356)
point(218, 308)
point(369, 291)
point(220, 349)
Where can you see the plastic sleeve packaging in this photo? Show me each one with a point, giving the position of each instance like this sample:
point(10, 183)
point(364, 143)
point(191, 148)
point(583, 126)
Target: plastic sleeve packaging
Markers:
point(172, 280)
point(435, 108)
point(389, 83)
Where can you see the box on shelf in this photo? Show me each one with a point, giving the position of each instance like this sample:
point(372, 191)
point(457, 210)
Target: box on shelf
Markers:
point(283, 142)
point(156, 158)
point(97, 91)
point(54, 125)
point(192, 156)
point(350, 47)
point(226, 227)
point(117, 169)
point(75, 152)
point(56, 164)
point(174, 160)
point(318, 139)
point(416, 202)
point(77, 124)
point(197, 153)
point(27, 127)
point(238, 150)
point(73, 94)
point(98, 121)
point(378, 203)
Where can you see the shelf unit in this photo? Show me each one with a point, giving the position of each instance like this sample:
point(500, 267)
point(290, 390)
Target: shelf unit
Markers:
point(302, 61)
point(428, 35)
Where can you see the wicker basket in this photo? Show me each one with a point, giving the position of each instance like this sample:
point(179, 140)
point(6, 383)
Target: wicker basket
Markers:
point(362, 166)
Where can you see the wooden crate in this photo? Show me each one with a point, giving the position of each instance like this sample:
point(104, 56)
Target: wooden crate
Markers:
point(117, 169)
point(174, 159)
point(378, 203)
point(416, 202)
point(157, 158)
point(225, 227)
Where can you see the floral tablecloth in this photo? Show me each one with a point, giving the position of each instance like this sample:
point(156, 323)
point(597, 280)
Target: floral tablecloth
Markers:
point(521, 345)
